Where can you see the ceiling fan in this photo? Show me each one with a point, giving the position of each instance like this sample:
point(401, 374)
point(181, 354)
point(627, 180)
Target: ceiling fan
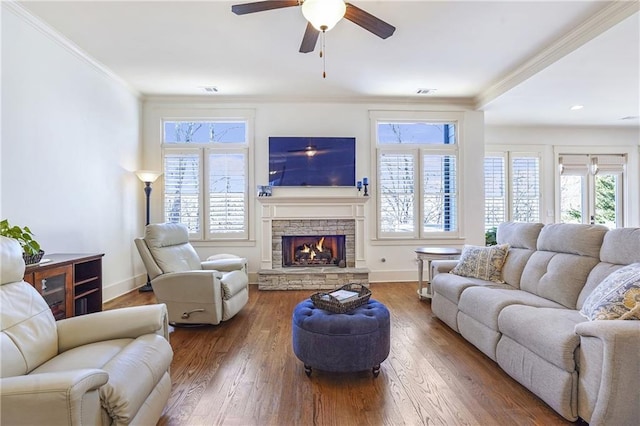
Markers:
point(322, 15)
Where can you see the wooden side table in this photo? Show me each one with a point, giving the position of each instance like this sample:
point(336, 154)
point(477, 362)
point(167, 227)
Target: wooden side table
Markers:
point(70, 283)
point(429, 254)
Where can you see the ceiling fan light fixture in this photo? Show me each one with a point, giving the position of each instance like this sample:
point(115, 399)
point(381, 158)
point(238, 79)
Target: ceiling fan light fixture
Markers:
point(323, 14)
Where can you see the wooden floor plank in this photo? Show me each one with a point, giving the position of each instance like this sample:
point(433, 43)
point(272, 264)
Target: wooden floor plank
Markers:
point(244, 372)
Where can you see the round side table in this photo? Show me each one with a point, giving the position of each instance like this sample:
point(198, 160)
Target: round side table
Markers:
point(429, 254)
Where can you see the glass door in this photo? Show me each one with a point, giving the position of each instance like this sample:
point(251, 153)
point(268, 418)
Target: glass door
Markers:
point(591, 191)
point(54, 285)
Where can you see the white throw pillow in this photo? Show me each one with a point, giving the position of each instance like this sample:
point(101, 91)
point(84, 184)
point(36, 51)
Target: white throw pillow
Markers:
point(482, 262)
point(616, 297)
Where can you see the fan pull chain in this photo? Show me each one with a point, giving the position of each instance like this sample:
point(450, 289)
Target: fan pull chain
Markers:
point(323, 56)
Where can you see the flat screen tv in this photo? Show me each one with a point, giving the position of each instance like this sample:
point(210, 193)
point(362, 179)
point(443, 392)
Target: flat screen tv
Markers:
point(308, 161)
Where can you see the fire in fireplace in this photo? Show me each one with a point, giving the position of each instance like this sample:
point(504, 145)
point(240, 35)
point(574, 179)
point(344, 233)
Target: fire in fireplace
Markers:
point(310, 250)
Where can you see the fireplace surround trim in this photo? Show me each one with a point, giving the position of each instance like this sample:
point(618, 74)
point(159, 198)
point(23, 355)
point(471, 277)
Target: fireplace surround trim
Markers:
point(311, 208)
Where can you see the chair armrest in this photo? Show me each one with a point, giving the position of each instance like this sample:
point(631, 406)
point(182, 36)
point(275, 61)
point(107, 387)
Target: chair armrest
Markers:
point(226, 265)
point(51, 398)
point(617, 349)
point(121, 323)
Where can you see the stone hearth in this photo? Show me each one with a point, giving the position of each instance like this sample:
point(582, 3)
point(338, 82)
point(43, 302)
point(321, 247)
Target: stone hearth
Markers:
point(315, 278)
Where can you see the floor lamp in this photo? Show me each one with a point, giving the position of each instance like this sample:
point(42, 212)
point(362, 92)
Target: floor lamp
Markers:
point(148, 177)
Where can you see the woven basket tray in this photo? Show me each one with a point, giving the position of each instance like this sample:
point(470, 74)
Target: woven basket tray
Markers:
point(329, 303)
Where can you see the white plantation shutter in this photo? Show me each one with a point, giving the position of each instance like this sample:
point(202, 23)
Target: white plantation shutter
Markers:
point(182, 188)
point(494, 191)
point(525, 181)
point(396, 177)
point(227, 193)
point(512, 187)
point(439, 193)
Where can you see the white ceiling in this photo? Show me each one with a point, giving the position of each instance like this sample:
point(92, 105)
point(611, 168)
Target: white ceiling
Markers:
point(523, 62)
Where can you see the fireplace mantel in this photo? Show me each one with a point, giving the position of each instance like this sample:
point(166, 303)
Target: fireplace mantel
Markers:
point(313, 200)
point(312, 208)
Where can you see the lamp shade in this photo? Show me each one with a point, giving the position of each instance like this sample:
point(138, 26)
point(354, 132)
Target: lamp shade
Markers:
point(148, 175)
point(323, 14)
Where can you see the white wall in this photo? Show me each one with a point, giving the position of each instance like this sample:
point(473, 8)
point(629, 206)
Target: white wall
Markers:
point(594, 140)
point(326, 119)
point(70, 141)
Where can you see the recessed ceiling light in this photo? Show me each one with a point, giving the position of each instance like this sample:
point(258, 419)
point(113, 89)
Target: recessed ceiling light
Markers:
point(576, 107)
point(210, 89)
point(426, 91)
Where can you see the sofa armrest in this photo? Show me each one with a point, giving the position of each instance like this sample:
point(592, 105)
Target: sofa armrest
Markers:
point(615, 344)
point(442, 266)
point(59, 398)
point(121, 323)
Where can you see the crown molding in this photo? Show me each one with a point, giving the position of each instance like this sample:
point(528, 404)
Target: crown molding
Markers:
point(596, 24)
point(24, 14)
point(448, 102)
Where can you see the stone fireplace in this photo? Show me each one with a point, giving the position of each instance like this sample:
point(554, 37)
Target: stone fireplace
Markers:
point(289, 224)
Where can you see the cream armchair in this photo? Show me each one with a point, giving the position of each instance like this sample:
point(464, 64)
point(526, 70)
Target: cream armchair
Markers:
point(106, 368)
point(195, 292)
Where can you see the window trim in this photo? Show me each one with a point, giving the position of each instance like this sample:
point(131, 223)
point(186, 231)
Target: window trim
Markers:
point(455, 149)
point(204, 237)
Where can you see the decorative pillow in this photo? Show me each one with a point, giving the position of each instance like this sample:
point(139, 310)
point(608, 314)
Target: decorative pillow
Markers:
point(482, 262)
point(616, 297)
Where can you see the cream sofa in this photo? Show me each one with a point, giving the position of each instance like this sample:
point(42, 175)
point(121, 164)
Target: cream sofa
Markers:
point(106, 368)
point(531, 325)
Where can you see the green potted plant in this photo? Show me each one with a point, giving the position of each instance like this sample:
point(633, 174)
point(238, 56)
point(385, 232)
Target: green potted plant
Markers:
point(490, 237)
point(31, 251)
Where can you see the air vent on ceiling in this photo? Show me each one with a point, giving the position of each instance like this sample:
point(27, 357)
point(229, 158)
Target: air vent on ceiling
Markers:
point(210, 89)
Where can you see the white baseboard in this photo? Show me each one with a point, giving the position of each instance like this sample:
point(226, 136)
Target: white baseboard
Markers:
point(393, 276)
point(118, 289)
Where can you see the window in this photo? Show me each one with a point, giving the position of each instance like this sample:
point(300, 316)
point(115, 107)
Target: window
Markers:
point(206, 178)
point(591, 189)
point(417, 174)
point(512, 188)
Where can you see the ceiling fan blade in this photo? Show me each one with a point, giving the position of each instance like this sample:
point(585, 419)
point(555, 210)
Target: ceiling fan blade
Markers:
point(259, 6)
point(368, 21)
point(309, 39)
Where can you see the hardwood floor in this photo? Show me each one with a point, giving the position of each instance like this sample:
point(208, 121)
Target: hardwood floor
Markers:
point(244, 372)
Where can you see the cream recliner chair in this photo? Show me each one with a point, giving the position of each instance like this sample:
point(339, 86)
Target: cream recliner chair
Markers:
point(106, 368)
point(195, 292)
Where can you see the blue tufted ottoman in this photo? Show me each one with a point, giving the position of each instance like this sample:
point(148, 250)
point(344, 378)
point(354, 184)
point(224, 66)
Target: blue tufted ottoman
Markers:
point(354, 341)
